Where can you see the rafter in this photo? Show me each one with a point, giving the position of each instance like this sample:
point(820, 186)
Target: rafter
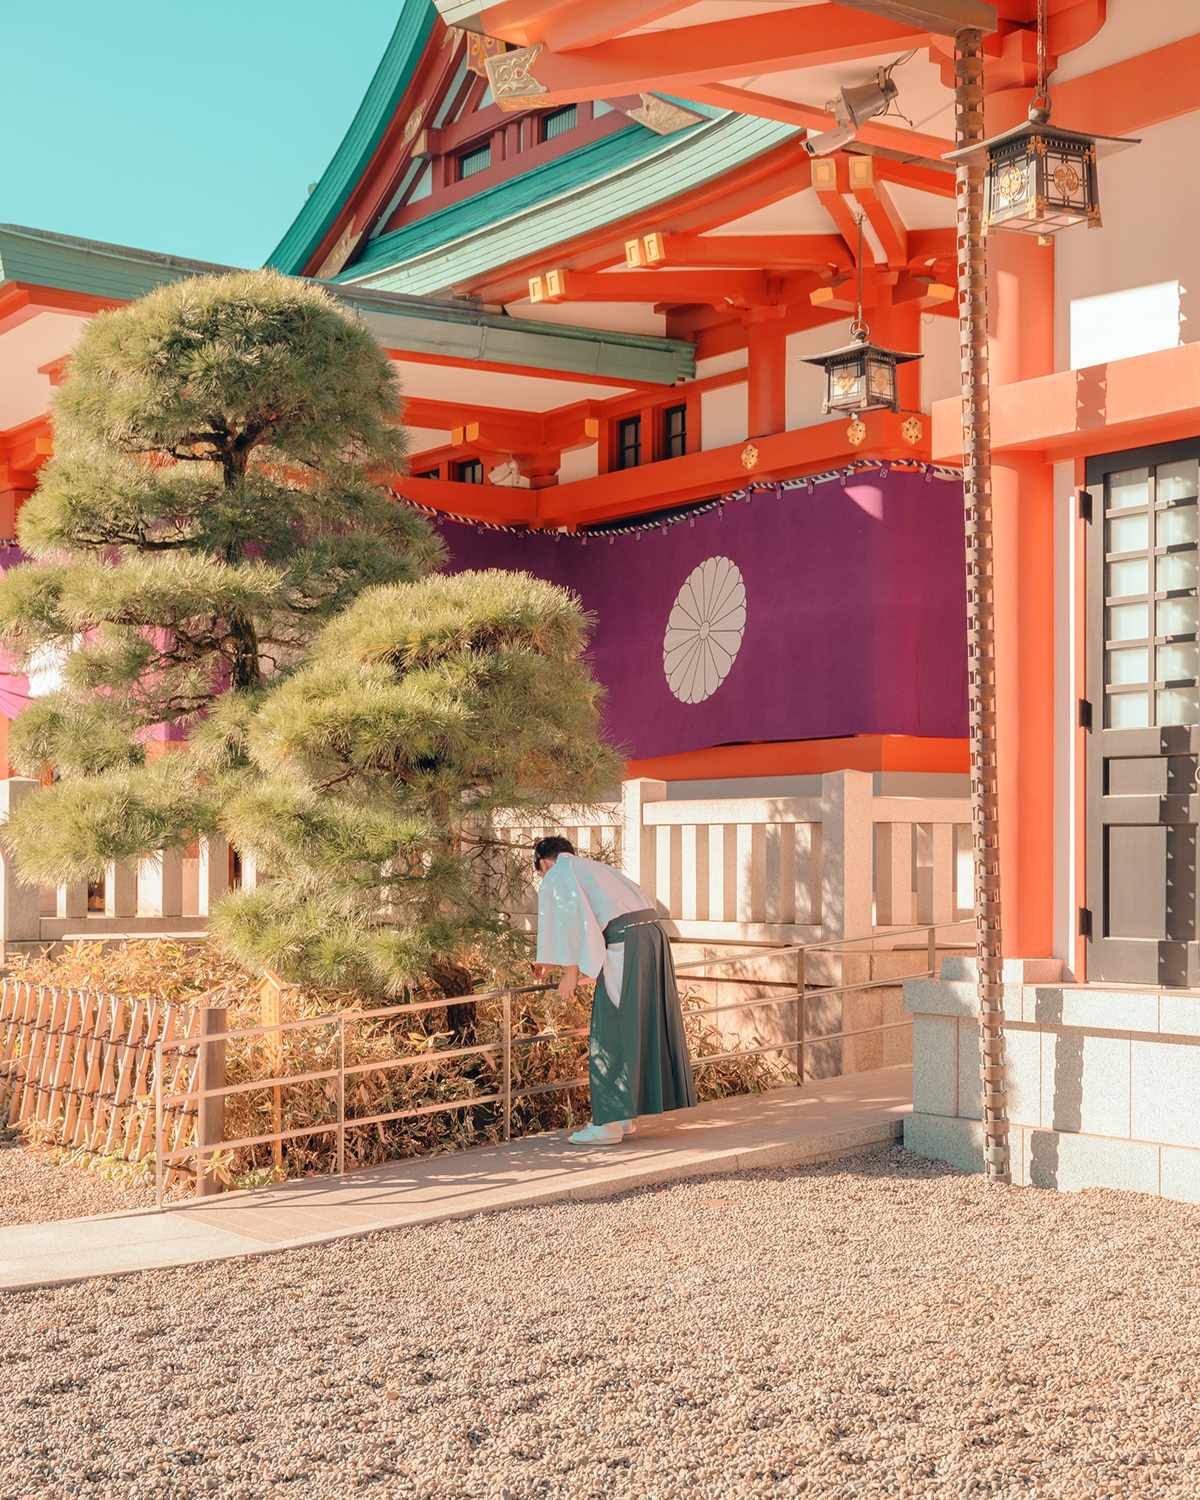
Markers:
point(577, 23)
point(752, 251)
point(882, 214)
point(912, 144)
point(716, 287)
point(809, 37)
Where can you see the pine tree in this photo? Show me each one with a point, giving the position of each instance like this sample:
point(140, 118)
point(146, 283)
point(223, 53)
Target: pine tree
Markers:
point(420, 713)
point(213, 501)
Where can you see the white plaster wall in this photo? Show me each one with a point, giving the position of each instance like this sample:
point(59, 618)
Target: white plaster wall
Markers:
point(721, 364)
point(1151, 231)
point(724, 416)
point(616, 317)
point(579, 463)
point(806, 383)
point(24, 347)
point(940, 376)
point(1067, 691)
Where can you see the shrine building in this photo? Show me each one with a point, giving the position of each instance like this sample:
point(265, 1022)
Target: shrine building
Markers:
point(604, 242)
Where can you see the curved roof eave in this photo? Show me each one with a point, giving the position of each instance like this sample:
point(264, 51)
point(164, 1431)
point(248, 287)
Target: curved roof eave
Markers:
point(500, 226)
point(352, 157)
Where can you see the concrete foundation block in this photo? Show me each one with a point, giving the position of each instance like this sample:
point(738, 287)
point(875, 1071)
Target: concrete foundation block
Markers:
point(1165, 1103)
point(1097, 1010)
point(1070, 1163)
point(1179, 1174)
point(1179, 1015)
point(1023, 1051)
point(940, 1138)
point(935, 1065)
point(970, 1087)
point(944, 997)
point(1104, 1107)
point(1016, 970)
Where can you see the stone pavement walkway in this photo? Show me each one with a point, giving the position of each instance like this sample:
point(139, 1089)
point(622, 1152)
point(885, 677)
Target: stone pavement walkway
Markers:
point(784, 1128)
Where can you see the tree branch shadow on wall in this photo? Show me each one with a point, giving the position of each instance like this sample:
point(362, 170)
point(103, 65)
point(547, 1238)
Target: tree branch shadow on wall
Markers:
point(1066, 1102)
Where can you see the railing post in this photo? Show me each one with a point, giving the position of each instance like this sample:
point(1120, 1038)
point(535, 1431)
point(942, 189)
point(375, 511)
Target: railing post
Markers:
point(158, 1125)
point(847, 854)
point(20, 905)
point(341, 1135)
point(160, 884)
point(933, 932)
point(71, 899)
point(801, 985)
point(508, 1065)
point(120, 889)
point(214, 872)
point(639, 845)
point(210, 1113)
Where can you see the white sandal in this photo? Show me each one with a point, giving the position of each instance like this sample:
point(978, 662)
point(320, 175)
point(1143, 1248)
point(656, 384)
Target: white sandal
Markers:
point(598, 1135)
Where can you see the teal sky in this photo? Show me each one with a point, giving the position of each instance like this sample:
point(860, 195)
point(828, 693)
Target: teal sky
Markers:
point(177, 126)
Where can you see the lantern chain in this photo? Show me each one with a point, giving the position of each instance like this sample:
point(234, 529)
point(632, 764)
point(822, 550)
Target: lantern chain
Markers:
point(981, 632)
point(1040, 107)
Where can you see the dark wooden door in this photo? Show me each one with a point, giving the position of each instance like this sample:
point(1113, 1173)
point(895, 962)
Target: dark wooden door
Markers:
point(1144, 747)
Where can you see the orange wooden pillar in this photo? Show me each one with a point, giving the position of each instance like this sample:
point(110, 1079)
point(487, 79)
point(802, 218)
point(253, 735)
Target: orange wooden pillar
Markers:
point(767, 371)
point(1021, 327)
point(897, 325)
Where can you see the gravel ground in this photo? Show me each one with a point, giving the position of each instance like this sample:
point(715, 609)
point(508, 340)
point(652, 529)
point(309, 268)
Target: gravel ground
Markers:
point(875, 1326)
point(33, 1190)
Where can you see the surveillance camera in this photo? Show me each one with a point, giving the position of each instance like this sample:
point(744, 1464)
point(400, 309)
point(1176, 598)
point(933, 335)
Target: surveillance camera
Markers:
point(829, 140)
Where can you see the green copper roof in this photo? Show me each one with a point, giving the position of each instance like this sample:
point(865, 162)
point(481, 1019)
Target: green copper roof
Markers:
point(458, 331)
point(627, 173)
point(412, 325)
point(38, 258)
point(386, 89)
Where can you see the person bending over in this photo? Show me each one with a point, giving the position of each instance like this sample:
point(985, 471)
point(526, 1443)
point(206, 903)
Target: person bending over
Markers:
point(594, 921)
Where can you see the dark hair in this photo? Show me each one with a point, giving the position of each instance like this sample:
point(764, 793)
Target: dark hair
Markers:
point(551, 848)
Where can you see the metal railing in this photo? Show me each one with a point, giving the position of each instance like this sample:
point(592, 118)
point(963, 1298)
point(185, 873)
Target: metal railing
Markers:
point(798, 991)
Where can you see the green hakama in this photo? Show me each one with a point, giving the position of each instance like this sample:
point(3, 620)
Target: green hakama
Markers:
point(638, 1060)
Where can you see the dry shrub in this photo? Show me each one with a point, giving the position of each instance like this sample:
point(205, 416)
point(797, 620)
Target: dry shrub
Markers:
point(189, 973)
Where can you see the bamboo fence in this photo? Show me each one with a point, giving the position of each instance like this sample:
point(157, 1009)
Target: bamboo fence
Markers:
point(82, 1066)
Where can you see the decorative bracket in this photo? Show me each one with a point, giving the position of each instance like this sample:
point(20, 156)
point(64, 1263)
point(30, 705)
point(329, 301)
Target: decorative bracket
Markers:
point(514, 87)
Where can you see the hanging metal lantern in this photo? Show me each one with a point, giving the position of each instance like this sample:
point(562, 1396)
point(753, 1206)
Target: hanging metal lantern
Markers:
point(862, 376)
point(1040, 178)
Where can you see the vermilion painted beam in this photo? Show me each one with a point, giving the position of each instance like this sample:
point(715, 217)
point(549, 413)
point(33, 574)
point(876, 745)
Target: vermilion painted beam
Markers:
point(881, 212)
point(774, 175)
point(860, 752)
point(831, 179)
point(1134, 94)
point(480, 502)
point(578, 23)
point(697, 476)
point(754, 102)
point(760, 251)
point(1127, 403)
point(809, 37)
point(720, 288)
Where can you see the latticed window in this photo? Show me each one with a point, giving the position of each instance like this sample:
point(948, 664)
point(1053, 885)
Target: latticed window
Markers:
point(629, 443)
point(675, 432)
point(1152, 614)
point(559, 121)
point(469, 471)
point(478, 159)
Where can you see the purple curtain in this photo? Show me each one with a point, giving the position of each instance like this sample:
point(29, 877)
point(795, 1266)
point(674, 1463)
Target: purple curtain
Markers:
point(799, 617)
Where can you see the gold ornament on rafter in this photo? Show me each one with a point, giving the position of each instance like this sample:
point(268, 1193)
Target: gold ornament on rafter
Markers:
point(856, 432)
point(749, 456)
point(911, 431)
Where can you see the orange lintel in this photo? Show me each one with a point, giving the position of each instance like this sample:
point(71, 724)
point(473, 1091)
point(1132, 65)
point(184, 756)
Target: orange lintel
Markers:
point(812, 36)
point(1135, 93)
point(755, 251)
point(1149, 398)
point(699, 476)
point(860, 752)
point(720, 288)
point(479, 502)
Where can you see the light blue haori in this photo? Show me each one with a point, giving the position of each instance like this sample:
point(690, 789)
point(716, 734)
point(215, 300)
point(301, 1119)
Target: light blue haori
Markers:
point(591, 915)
